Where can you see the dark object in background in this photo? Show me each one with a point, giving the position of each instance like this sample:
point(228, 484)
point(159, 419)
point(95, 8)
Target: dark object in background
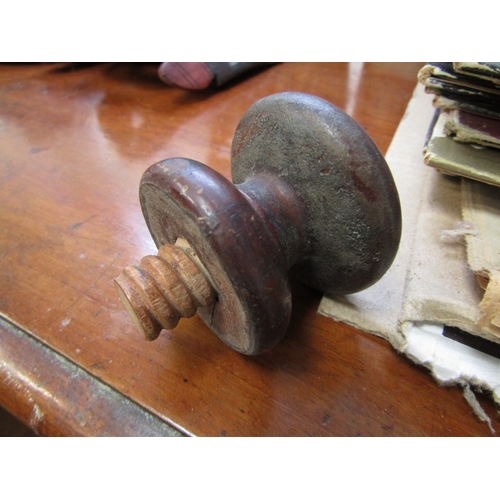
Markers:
point(201, 75)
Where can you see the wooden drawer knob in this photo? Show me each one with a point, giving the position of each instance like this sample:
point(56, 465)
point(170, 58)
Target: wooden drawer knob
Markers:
point(313, 200)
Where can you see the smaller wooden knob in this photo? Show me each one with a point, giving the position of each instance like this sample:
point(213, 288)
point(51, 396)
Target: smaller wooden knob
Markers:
point(313, 200)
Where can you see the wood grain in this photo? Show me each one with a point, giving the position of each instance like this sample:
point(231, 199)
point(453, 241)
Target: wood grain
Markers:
point(74, 142)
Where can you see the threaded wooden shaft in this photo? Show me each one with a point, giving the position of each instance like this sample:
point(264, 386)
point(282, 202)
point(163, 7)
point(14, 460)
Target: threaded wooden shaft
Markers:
point(165, 288)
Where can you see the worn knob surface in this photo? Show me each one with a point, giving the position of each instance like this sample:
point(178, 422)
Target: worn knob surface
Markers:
point(312, 199)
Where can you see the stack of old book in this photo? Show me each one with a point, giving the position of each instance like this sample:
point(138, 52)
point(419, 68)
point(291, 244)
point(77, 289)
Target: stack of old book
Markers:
point(464, 138)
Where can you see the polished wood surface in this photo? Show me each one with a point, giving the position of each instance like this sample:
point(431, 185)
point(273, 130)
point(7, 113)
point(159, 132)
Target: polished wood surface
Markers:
point(74, 142)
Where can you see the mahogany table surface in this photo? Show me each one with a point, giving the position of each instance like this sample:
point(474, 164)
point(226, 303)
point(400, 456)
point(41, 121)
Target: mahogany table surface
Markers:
point(74, 142)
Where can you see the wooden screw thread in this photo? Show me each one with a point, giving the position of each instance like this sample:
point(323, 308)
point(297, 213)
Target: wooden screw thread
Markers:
point(163, 289)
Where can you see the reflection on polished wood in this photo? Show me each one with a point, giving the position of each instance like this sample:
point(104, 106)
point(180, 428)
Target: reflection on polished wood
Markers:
point(74, 142)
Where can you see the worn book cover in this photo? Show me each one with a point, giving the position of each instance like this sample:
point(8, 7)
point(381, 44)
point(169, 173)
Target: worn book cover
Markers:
point(463, 74)
point(474, 129)
point(485, 70)
point(441, 102)
point(451, 157)
point(462, 90)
